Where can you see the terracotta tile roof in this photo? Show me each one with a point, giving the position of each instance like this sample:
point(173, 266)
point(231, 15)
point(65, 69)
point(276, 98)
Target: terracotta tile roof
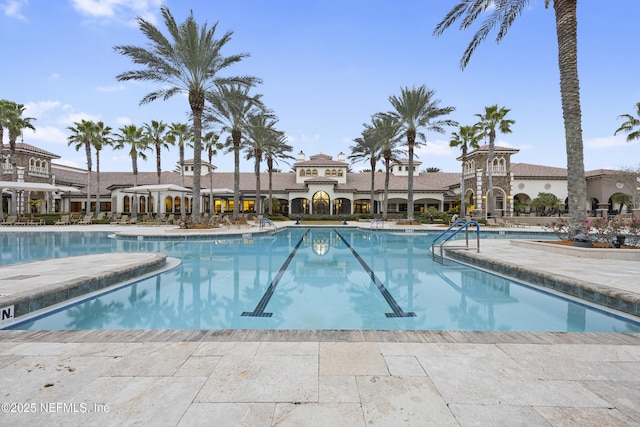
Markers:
point(320, 160)
point(525, 170)
point(21, 146)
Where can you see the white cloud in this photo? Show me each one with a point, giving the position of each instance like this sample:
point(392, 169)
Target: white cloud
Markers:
point(119, 10)
point(606, 142)
point(12, 8)
point(114, 88)
point(45, 136)
point(123, 121)
point(42, 108)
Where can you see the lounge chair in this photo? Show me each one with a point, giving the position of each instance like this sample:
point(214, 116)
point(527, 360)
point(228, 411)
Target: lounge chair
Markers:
point(11, 220)
point(64, 220)
point(38, 221)
point(124, 219)
point(88, 219)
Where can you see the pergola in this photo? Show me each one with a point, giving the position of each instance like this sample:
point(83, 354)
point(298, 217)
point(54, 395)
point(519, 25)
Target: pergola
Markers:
point(22, 186)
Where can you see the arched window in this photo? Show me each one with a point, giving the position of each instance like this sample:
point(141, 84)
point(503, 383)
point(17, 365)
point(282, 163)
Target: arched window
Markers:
point(327, 172)
point(340, 172)
point(301, 172)
point(321, 203)
point(334, 172)
point(314, 172)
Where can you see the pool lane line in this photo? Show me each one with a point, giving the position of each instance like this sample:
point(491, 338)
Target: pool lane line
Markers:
point(259, 310)
point(397, 310)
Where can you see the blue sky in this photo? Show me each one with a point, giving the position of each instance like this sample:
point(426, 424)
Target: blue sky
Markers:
point(327, 66)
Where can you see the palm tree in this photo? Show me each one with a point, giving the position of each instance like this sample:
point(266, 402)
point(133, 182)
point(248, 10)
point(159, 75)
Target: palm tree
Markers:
point(82, 136)
point(211, 146)
point(188, 63)
point(387, 129)
point(155, 132)
point(493, 118)
point(367, 148)
point(275, 149)
point(467, 137)
point(503, 13)
point(415, 108)
point(260, 132)
point(231, 107)
point(631, 126)
point(179, 135)
point(15, 125)
point(101, 139)
point(134, 137)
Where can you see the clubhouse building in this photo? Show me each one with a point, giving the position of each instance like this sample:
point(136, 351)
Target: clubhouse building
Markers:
point(318, 184)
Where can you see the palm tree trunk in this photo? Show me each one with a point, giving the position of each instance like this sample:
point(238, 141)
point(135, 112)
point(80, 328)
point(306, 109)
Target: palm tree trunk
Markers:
point(196, 101)
point(134, 197)
point(462, 195)
point(270, 169)
point(236, 136)
point(373, 184)
point(98, 181)
point(158, 163)
point(387, 173)
point(566, 29)
point(490, 207)
point(258, 206)
point(88, 151)
point(182, 208)
point(211, 210)
point(411, 139)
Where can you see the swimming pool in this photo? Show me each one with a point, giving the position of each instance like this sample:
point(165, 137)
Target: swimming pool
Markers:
point(304, 278)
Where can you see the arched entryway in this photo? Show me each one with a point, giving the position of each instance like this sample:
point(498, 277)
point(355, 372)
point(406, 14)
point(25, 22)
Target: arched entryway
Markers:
point(321, 203)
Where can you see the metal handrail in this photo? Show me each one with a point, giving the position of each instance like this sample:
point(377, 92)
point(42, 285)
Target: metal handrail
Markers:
point(377, 221)
point(464, 225)
point(264, 221)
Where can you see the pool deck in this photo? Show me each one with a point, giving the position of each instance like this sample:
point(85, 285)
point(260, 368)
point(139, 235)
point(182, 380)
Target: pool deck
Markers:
point(320, 378)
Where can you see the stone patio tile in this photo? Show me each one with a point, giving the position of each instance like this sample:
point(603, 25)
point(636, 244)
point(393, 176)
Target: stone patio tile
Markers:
point(229, 415)
point(487, 381)
point(223, 348)
point(354, 358)
point(41, 349)
point(574, 362)
point(153, 400)
point(441, 349)
point(623, 395)
point(338, 389)
point(407, 366)
point(50, 378)
point(497, 415)
point(106, 348)
point(407, 401)
point(288, 348)
point(584, 417)
point(262, 379)
point(318, 415)
point(153, 359)
point(198, 366)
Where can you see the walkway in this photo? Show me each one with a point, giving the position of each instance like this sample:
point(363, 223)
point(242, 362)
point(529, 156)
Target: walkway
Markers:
point(339, 378)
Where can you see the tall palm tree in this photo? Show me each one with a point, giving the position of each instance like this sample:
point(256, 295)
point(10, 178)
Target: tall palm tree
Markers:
point(631, 126)
point(188, 63)
point(260, 131)
point(275, 149)
point(387, 129)
point(502, 14)
point(231, 107)
point(102, 138)
point(15, 125)
point(155, 132)
point(212, 145)
point(179, 134)
point(7, 112)
point(83, 133)
point(416, 108)
point(367, 148)
point(467, 137)
point(134, 137)
point(493, 117)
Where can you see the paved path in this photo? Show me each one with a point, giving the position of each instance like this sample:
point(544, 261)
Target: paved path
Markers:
point(334, 378)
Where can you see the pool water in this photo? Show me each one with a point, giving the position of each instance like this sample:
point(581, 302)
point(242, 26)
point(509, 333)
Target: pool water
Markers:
point(305, 278)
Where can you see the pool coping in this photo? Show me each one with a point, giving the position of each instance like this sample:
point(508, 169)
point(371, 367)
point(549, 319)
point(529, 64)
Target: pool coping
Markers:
point(38, 297)
point(308, 335)
point(617, 299)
